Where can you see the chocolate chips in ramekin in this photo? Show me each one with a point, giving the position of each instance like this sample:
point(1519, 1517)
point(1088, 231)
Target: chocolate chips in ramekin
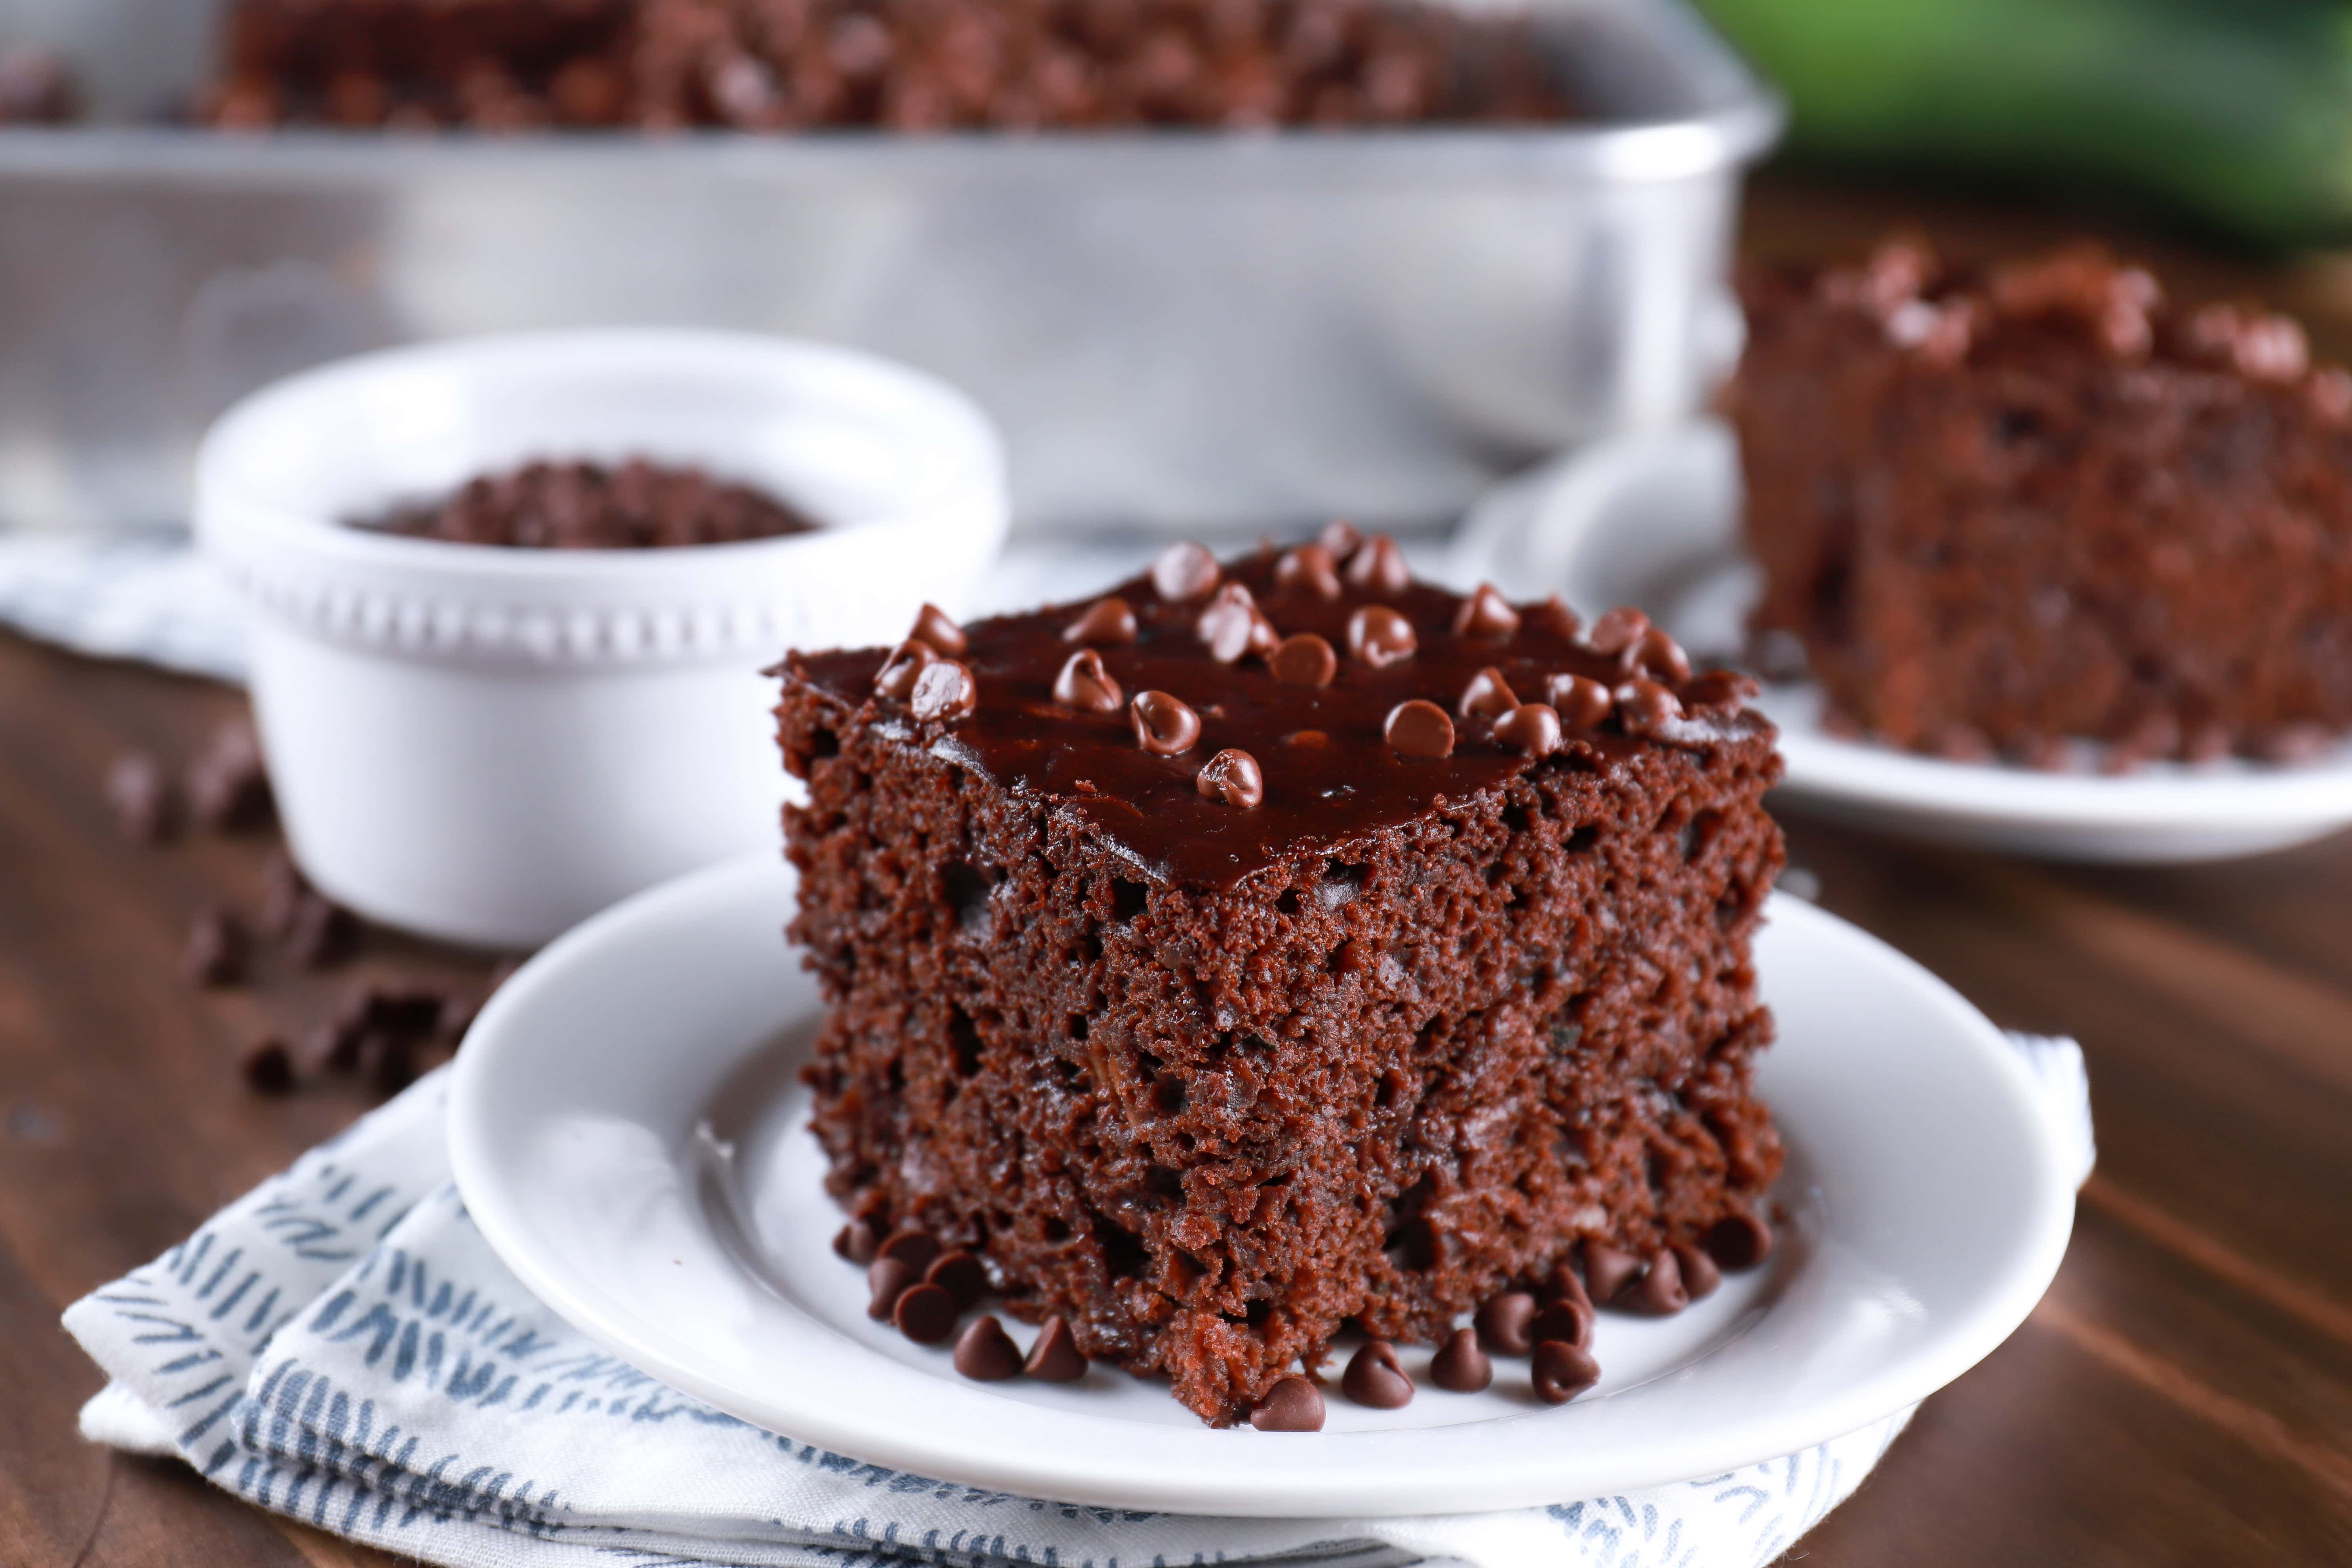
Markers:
point(637, 505)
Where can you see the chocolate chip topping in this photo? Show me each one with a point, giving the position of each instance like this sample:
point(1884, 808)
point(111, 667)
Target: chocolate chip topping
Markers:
point(1460, 1366)
point(1054, 1355)
point(895, 679)
point(855, 1242)
point(1552, 618)
point(960, 1275)
point(1531, 726)
point(1302, 658)
point(888, 1278)
point(986, 1353)
point(1380, 637)
point(1108, 622)
point(1486, 614)
point(1309, 569)
point(1700, 1276)
point(1164, 725)
point(945, 690)
point(915, 1248)
point(1566, 1319)
point(1661, 658)
point(1232, 625)
point(1292, 1405)
point(1503, 1323)
point(1581, 702)
point(1184, 572)
point(1378, 567)
point(1085, 685)
point(1608, 1269)
point(933, 626)
point(1418, 728)
point(926, 1314)
point(1618, 630)
point(1340, 539)
point(1644, 707)
point(1739, 1241)
point(1233, 777)
point(1375, 1378)
point(1487, 696)
point(1561, 1372)
point(1338, 780)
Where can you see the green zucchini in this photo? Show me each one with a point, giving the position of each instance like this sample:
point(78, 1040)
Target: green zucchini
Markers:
point(2237, 113)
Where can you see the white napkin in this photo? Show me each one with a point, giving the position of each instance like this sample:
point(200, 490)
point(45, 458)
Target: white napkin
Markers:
point(340, 1345)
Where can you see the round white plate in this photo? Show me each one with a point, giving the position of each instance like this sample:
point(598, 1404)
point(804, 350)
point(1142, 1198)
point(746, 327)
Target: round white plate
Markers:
point(1652, 520)
point(629, 1134)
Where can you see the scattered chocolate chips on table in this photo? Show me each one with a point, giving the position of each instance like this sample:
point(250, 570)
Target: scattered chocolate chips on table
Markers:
point(1739, 1241)
point(638, 505)
point(228, 785)
point(1375, 1378)
point(1503, 1323)
point(855, 1242)
point(1561, 1371)
point(960, 1275)
point(926, 1314)
point(268, 1067)
point(1054, 1355)
point(1460, 1366)
point(145, 800)
point(1292, 1405)
point(986, 1353)
point(215, 953)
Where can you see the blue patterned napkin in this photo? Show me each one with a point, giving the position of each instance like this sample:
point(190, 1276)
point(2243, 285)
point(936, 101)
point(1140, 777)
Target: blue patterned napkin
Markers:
point(340, 1345)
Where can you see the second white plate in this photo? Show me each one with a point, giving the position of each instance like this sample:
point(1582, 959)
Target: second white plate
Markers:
point(628, 1133)
point(1652, 520)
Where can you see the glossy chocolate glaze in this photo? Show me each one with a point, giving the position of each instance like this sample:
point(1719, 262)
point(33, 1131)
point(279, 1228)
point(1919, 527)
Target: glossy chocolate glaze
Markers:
point(1329, 775)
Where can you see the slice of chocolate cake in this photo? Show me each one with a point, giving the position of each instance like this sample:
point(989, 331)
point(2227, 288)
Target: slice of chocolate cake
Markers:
point(1265, 948)
point(2004, 508)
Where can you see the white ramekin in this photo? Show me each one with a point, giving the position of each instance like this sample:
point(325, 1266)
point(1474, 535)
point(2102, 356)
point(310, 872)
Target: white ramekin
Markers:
point(488, 745)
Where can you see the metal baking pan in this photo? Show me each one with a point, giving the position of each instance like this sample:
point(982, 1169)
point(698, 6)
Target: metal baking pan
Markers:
point(1207, 331)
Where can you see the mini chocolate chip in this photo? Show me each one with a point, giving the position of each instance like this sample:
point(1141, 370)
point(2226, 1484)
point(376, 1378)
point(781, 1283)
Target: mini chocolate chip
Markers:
point(1303, 658)
point(1374, 1377)
point(1531, 726)
point(1700, 1276)
point(986, 1353)
point(960, 1275)
point(855, 1242)
point(1309, 569)
point(146, 803)
point(1554, 617)
point(888, 1278)
point(1378, 566)
point(1233, 777)
point(1739, 1241)
point(915, 1248)
point(1561, 1372)
point(1618, 630)
point(1563, 1284)
point(1106, 622)
point(1232, 625)
point(1340, 539)
point(1292, 1405)
point(926, 1314)
point(1644, 707)
point(1607, 1270)
point(1501, 1322)
point(1420, 729)
point(268, 1067)
point(1659, 1292)
point(1163, 724)
point(1486, 614)
point(215, 950)
point(895, 679)
point(1053, 1354)
point(1661, 658)
point(1564, 1319)
point(933, 626)
point(1086, 685)
point(1460, 1366)
point(1380, 637)
point(321, 932)
point(945, 690)
point(1581, 702)
point(1184, 572)
point(1487, 696)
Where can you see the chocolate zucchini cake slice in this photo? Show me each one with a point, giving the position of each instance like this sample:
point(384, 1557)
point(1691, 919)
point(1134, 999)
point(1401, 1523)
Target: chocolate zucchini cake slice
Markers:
point(1267, 948)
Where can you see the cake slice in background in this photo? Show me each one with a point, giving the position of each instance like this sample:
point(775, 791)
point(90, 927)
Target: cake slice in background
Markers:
point(2008, 508)
point(1263, 949)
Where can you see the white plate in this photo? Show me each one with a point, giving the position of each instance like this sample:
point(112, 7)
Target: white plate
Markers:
point(628, 1133)
point(1652, 520)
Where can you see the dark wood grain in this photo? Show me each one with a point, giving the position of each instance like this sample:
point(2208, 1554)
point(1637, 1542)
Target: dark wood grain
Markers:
point(2184, 1395)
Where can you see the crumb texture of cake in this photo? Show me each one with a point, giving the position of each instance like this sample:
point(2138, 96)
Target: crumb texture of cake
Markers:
point(1213, 1061)
point(2002, 509)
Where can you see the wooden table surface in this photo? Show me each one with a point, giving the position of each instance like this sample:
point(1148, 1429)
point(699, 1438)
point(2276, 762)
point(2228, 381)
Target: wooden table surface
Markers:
point(2183, 1395)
